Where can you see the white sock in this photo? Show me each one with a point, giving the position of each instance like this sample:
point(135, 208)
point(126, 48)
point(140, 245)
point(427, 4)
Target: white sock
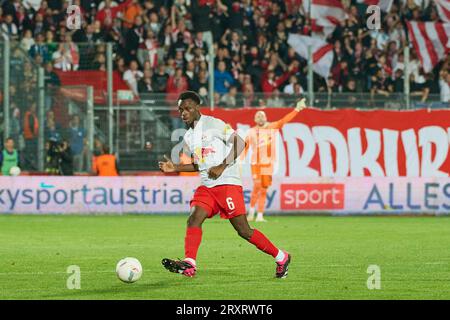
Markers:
point(260, 216)
point(251, 212)
point(191, 261)
point(280, 256)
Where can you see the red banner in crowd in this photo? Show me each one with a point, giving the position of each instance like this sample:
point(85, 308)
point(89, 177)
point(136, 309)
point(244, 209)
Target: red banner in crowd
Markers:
point(347, 142)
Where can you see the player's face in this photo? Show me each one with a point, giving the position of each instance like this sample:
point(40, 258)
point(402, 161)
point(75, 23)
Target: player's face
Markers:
point(260, 118)
point(189, 112)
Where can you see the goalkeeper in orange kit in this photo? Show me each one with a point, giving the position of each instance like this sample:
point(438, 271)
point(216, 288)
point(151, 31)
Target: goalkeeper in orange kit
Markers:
point(262, 139)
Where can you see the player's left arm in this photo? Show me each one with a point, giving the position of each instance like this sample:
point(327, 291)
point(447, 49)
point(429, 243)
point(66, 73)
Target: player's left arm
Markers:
point(301, 104)
point(237, 146)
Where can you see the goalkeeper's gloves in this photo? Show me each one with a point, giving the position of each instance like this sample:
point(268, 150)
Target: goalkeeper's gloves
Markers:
point(301, 104)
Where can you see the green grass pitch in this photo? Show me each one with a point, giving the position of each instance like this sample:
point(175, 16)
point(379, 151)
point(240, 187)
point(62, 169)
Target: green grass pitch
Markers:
point(330, 258)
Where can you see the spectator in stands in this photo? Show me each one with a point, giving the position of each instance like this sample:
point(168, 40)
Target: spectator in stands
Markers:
point(62, 59)
point(200, 83)
point(30, 134)
point(176, 84)
point(72, 48)
point(275, 101)
point(106, 165)
point(77, 141)
point(9, 27)
point(52, 158)
point(119, 65)
point(444, 85)
point(51, 131)
point(108, 11)
point(153, 25)
point(380, 84)
point(52, 83)
point(148, 51)
point(39, 48)
point(40, 25)
point(132, 76)
point(418, 87)
point(51, 44)
point(222, 79)
point(271, 82)
point(99, 62)
point(134, 39)
point(289, 88)
point(145, 84)
point(229, 99)
point(27, 40)
point(15, 126)
point(66, 159)
point(132, 11)
point(160, 79)
point(350, 91)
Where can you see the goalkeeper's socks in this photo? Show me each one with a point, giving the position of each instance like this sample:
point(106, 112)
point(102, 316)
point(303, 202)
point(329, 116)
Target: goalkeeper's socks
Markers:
point(251, 213)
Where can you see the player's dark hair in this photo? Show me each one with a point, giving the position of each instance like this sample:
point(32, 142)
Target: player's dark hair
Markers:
point(190, 95)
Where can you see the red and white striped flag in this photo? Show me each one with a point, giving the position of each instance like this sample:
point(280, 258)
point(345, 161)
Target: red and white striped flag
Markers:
point(431, 40)
point(326, 13)
point(384, 5)
point(443, 9)
point(322, 52)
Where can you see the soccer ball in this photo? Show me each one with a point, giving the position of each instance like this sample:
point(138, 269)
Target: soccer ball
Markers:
point(14, 171)
point(129, 270)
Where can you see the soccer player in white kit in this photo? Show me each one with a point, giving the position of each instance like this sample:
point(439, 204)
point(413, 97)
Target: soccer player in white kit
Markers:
point(214, 148)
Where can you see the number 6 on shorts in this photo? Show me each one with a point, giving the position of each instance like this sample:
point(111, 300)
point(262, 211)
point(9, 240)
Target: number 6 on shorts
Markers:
point(230, 203)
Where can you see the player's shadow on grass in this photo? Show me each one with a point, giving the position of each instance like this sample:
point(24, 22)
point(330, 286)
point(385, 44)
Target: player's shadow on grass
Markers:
point(123, 289)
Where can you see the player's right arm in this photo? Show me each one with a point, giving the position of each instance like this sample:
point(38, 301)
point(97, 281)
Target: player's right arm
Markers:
point(168, 166)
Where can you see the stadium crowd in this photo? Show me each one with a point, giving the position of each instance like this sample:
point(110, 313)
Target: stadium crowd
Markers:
point(160, 46)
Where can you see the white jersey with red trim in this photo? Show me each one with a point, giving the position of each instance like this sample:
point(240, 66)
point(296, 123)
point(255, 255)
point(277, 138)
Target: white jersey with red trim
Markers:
point(208, 143)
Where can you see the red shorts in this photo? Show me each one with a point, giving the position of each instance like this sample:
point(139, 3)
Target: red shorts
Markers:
point(228, 200)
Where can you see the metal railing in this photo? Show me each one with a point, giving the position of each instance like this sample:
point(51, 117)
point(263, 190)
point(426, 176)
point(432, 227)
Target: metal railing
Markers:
point(322, 100)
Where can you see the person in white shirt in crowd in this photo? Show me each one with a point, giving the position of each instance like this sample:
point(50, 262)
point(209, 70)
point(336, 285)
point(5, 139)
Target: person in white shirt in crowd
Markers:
point(27, 41)
point(132, 76)
point(102, 4)
point(289, 88)
point(444, 85)
point(10, 28)
point(62, 59)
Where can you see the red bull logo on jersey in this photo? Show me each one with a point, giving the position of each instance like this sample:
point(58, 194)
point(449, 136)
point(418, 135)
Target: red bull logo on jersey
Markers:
point(207, 151)
point(201, 153)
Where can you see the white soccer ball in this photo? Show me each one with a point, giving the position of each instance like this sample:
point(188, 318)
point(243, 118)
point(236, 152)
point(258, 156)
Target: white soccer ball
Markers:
point(14, 171)
point(129, 270)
